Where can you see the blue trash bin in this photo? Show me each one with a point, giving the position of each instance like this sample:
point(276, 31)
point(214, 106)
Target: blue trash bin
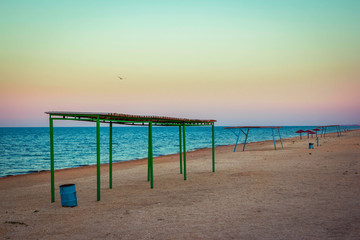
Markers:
point(311, 145)
point(68, 195)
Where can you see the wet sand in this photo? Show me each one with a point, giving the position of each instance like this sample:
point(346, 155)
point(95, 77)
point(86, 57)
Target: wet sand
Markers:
point(290, 193)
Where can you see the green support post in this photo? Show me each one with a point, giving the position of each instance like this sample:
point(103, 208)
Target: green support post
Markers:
point(98, 157)
point(150, 160)
point(184, 143)
point(213, 148)
point(180, 150)
point(148, 175)
point(110, 156)
point(52, 167)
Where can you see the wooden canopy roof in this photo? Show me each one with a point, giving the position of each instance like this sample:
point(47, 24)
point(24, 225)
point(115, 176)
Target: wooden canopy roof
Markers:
point(127, 119)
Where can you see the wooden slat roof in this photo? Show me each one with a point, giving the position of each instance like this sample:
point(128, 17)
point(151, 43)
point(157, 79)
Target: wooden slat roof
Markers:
point(128, 117)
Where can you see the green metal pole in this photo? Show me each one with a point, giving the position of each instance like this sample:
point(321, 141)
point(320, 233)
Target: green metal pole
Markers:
point(151, 156)
point(213, 148)
point(148, 175)
point(180, 150)
point(184, 143)
point(52, 167)
point(110, 156)
point(98, 157)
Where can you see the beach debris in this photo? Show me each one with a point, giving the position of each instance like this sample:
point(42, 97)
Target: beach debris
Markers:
point(16, 223)
point(121, 78)
point(36, 211)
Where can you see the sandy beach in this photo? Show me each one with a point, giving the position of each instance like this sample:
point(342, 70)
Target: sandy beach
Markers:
point(290, 193)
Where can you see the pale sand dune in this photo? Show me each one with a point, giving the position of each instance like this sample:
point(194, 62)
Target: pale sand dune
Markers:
point(291, 193)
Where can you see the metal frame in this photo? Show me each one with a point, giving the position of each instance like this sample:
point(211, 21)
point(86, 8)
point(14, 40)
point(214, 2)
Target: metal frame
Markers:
point(324, 128)
point(131, 120)
point(247, 134)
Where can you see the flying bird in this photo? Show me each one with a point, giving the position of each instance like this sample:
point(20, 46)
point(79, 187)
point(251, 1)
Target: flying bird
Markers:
point(121, 78)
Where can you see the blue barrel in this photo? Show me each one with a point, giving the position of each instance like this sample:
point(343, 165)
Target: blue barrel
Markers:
point(311, 145)
point(68, 195)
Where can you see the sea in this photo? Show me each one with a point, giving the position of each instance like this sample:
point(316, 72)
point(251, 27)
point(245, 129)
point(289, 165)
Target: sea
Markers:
point(27, 150)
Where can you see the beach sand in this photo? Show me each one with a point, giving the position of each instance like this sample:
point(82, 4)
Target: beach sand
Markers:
point(290, 193)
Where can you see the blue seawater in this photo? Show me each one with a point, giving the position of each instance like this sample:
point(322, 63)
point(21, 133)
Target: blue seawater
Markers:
point(26, 150)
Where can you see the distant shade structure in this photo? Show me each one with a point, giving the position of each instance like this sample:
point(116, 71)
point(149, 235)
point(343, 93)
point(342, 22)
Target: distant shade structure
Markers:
point(300, 132)
point(316, 130)
point(309, 132)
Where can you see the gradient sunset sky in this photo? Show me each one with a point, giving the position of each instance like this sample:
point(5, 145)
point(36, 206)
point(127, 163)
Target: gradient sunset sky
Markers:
point(240, 62)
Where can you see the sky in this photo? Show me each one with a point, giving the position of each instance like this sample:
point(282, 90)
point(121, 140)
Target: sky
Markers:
point(279, 62)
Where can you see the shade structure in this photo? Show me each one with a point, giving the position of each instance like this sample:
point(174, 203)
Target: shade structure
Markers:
point(310, 132)
point(324, 129)
point(300, 131)
point(127, 119)
point(316, 130)
point(246, 133)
